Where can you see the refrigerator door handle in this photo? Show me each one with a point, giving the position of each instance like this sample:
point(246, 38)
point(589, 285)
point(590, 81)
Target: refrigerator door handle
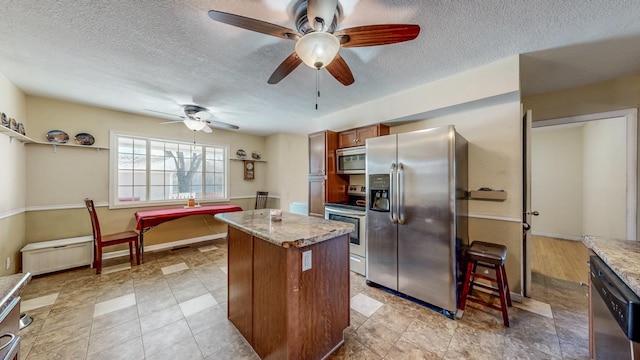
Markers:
point(392, 204)
point(400, 190)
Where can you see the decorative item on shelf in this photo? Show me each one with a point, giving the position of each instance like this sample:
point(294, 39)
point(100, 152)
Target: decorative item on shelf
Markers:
point(241, 154)
point(84, 139)
point(13, 124)
point(192, 202)
point(255, 155)
point(249, 170)
point(21, 129)
point(5, 120)
point(57, 136)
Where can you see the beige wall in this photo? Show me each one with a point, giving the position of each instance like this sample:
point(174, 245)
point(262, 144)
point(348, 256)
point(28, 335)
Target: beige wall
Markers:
point(605, 178)
point(556, 181)
point(288, 154)
point(617, 94)
point(12, 180)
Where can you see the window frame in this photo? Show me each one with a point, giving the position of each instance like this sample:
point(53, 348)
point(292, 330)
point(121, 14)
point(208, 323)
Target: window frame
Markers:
point(114, 203)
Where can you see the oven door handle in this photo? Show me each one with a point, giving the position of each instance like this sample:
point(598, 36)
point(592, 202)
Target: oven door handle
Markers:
point(344, 212)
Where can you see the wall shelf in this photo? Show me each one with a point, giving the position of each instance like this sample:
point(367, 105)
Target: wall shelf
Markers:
point(490, 195)
point(55, 146)
point(15, 135)
point(27, 140)
point(248, 160)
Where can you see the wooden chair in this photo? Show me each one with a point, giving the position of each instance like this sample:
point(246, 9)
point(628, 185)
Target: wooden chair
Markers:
point(261, 199)
point(100, 241)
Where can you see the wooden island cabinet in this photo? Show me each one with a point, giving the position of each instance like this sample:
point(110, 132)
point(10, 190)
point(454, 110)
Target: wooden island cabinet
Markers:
point(288, 283)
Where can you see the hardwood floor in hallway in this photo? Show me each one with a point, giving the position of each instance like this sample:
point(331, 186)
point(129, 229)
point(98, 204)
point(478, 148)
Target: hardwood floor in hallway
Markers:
point(560, 259)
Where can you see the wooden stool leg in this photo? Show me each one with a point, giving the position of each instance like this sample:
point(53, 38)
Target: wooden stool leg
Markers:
point(130, 252)
point(503, 295)
point(466, 284)
point(506, 285)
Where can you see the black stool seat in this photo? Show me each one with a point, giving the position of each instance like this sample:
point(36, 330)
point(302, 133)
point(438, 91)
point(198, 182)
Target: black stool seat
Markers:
point(492, 256)
point(487, 252)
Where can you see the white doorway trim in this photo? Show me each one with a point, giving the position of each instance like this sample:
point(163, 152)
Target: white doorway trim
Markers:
point(631, 116)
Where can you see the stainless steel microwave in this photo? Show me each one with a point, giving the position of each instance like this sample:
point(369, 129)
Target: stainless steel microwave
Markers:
point(351, 160)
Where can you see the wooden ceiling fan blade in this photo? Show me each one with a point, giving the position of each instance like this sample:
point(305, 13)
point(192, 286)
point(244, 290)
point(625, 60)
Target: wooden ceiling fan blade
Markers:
point(254, 25)
point(340, 70)
point(373, 35)
point(285, 68)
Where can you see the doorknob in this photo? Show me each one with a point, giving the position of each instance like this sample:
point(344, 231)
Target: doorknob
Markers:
point(534, 213)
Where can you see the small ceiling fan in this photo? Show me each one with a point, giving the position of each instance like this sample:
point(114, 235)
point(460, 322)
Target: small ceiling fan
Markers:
point(317, 41)
point(197, 118)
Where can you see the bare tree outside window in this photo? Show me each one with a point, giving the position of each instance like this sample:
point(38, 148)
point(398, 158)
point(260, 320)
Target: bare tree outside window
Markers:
point(185, 176)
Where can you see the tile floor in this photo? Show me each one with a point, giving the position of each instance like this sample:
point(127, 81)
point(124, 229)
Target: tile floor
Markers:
point(173, 307)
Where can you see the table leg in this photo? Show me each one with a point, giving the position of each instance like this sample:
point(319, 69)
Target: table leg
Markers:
point(141, 248)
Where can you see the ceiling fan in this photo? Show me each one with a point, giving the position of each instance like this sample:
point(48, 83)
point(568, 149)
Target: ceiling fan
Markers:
point(197, 118)
point(317, 40)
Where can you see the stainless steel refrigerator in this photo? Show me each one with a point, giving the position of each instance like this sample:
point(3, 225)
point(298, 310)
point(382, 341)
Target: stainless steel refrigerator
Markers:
point(417, 214)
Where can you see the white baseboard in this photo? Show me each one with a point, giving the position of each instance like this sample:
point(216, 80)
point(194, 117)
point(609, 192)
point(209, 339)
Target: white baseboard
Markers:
point(557, 236)
point(164, 246)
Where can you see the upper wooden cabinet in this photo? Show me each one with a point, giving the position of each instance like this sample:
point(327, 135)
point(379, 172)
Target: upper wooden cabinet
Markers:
point(358, 136)
point(325, 185)
point(320, 144)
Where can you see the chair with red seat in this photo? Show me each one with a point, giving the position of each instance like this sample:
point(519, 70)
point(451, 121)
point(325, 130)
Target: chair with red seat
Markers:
point(100, 241)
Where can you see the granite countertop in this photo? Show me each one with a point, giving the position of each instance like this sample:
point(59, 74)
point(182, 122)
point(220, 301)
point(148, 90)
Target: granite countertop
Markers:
point(622, 256)
point(293, 231)
point(11, 286)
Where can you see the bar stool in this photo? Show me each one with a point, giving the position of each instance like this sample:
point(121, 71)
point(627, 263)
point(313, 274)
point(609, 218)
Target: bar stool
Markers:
point(490, 256)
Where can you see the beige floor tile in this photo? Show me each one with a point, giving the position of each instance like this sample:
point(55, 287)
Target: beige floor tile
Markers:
point(165, 337)
point(115, 304)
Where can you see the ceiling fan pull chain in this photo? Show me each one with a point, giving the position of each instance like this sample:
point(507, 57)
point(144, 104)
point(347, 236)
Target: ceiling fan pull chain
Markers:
point(317, 87)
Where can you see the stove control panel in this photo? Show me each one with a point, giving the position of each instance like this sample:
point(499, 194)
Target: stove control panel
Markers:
point(357, 190)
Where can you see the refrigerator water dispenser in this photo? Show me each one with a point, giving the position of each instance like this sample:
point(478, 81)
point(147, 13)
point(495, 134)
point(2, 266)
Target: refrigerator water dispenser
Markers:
point(379, 192)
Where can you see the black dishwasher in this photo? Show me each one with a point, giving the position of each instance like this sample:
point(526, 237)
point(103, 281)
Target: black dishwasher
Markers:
point(616, 314)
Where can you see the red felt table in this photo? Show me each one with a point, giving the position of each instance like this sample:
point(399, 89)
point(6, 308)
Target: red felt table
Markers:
point(147, 219)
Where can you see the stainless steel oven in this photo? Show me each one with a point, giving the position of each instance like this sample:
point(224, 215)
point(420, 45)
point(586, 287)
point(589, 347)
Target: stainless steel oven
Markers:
point(358, 240)
point(351, 160)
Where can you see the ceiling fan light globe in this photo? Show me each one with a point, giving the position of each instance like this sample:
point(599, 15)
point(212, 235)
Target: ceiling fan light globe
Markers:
point(194, 125)
point(317, 49)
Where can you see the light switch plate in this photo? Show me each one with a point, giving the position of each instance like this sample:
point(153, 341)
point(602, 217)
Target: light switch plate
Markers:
point(306, 260)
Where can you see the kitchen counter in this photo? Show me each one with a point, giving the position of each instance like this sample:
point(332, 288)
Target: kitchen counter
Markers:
point(293, 231)
point(11, 286)
point(622, 256)
point(288, 291)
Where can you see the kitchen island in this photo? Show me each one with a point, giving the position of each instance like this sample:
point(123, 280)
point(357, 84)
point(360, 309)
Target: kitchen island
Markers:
point(288, 283)
point(622, 256)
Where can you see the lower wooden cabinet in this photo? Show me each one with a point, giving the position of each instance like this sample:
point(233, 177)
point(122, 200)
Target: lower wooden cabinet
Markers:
point(282, 311)
point(317, 196)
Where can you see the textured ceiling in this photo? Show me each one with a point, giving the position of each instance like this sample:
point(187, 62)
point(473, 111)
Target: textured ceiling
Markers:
point(153, 54)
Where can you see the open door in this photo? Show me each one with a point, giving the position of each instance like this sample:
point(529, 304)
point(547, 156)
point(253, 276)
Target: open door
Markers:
point(526, 203)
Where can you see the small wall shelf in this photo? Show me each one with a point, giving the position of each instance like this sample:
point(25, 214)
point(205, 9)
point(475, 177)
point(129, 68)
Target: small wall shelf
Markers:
point(491, 195)
point(248, 159)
